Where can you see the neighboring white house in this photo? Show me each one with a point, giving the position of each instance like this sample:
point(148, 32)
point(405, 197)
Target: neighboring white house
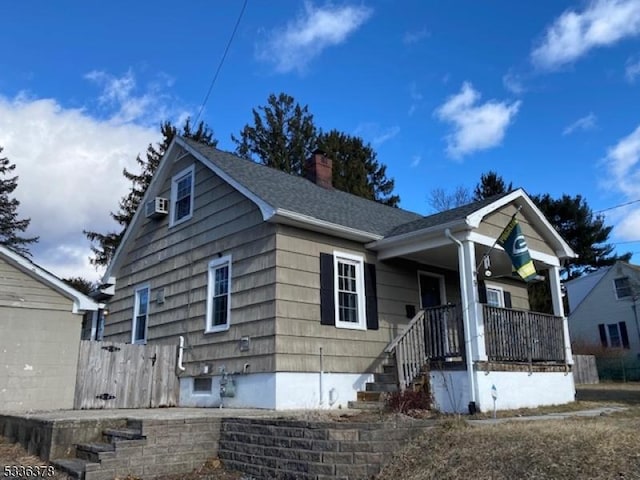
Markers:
point(604, 316)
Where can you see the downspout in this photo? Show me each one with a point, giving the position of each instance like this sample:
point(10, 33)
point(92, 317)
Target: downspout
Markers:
point(465, 316)
point(180, 353)
point(321, 375)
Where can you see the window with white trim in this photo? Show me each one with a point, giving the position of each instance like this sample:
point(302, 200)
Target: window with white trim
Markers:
point(219, 294)
point(140, 315)
point(622, 287)
point(349, 291)
point(495, 296)
point(182, 196)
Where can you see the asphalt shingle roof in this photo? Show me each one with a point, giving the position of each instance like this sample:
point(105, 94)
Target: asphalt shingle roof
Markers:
point(299, 195)
point(458, 213)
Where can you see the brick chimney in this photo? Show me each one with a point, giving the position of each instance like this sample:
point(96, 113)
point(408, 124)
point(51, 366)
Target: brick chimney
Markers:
point(319, 169)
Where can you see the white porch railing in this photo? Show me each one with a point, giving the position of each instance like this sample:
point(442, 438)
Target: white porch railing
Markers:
point(433, 334)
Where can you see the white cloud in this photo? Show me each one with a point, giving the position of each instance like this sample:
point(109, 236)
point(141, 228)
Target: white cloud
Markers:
point(416, 98)
point(573, 34)
point(376, 134)
point(316, 29)
point(632, 69)
point(476, 126)
point(411, 37)
point(415, 160)
point(623, 167)
point(585, 123)
point(70, 163)
point(513, 83)
point(123, 101)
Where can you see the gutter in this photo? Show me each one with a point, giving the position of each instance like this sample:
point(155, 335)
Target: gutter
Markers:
point(465, 318)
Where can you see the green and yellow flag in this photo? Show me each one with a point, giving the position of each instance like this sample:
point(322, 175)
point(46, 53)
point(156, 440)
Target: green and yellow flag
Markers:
point(514, 243)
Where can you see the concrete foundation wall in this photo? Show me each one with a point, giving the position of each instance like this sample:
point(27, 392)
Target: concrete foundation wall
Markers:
point(38, 358)
point(280, 391)
point(450, 389)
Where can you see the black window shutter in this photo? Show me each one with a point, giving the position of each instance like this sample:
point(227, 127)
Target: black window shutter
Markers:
point(482, 292)
point(507, 299)
point(603, 335)
point(371, 296)
point(623, 334)
point(327, 299)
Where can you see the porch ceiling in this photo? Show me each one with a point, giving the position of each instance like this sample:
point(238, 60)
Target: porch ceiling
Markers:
point(446, 257)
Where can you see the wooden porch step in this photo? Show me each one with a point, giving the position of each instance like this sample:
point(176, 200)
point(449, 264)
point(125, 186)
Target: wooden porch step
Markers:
point(369, 396)
point(389, 368)
point(385, 377)
point(381, 387)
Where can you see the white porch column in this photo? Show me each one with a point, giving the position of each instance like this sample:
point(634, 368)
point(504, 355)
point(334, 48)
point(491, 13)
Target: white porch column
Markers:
point(558, 309)
point(476, 323)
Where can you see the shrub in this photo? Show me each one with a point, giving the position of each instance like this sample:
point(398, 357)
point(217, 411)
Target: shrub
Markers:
point(405, 402)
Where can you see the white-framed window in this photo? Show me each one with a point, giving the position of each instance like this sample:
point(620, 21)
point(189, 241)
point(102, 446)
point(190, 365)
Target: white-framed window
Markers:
point(622, 287)
point(613, 332)
point(495, 296)
point(219, 295)
point(348, 284)
point(140, 315)
point(182, 196)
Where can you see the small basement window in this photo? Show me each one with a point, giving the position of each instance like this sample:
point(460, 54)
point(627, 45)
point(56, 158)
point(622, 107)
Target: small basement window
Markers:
point(202, 385)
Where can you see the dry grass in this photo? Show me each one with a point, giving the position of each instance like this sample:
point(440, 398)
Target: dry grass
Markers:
point(593, 448)
point(13, 455)
point(599, 448)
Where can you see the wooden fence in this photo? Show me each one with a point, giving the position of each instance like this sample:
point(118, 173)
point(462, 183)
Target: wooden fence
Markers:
point(584, 369)
point(117, 375)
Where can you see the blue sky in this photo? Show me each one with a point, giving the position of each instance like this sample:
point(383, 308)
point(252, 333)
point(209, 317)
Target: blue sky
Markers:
point(546, 93)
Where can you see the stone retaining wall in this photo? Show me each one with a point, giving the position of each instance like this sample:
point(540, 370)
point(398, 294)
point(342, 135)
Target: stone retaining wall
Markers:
point(286, 449)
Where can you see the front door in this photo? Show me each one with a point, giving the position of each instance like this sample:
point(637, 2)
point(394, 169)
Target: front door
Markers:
point(431, 291)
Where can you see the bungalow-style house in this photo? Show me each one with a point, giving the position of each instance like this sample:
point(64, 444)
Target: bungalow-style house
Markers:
point(604, 316)
point(40, 323)
point(285, 293)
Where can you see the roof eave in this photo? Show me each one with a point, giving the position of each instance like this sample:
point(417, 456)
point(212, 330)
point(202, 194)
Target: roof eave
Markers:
point(561, 248)
point(287, 217)
point(396, 240)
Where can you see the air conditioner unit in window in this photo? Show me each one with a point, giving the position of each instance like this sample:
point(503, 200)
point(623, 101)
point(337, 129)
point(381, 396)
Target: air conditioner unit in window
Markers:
point(158, 207)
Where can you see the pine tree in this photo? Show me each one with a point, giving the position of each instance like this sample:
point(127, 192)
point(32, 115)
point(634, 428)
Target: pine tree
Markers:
point(11, 226)
point(105, 244)
point(490, 184)
point(283, 136)
point(356, 169)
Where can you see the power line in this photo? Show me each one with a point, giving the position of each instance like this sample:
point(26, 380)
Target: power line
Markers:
point(224, 56)
point(618, 206)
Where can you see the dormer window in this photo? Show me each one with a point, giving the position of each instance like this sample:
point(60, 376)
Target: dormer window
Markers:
point(182, 196)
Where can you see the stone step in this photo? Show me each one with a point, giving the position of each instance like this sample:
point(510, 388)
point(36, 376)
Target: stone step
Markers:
point(74, 467)
point(385, 377)
point(381, 387)
point(95, 452)
point(116, 434)
point(361, 405)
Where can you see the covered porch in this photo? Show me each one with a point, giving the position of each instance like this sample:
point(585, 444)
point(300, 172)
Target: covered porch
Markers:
point(485, 329)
